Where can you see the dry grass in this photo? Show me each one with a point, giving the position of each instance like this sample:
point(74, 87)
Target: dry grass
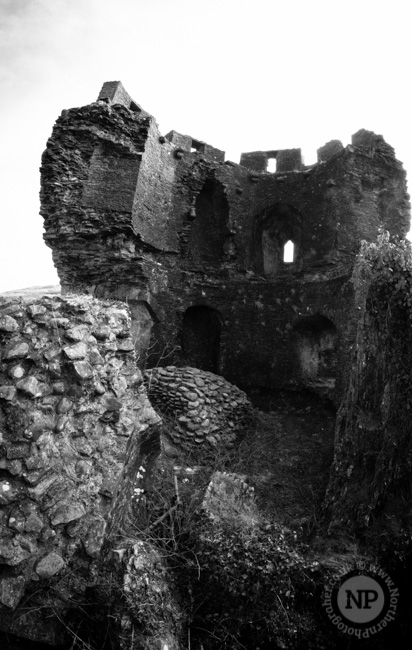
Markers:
point(33, 292)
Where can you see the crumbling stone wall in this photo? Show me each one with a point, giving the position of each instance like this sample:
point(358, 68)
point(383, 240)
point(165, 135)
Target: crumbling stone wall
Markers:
point(78, 437)
point(166, 224)
point(370, 488)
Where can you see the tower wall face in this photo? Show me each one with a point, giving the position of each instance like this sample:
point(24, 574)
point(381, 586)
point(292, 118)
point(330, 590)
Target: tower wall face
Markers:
point(166, 224)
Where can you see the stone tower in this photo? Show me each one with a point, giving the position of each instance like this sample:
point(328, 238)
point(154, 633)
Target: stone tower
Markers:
point(196, 245)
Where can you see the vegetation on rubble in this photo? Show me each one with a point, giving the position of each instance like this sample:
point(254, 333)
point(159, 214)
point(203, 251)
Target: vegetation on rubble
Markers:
point(249, 578)
point(244, 580)
point(238, 578)
point(252, 577)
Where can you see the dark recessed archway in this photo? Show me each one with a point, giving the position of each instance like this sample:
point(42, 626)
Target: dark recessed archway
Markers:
point(275, 228)
point(201, 338)
point(315, 343)
point(209, 227)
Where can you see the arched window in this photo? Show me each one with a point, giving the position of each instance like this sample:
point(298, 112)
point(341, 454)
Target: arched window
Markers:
point(278, 236)
point(289, 252)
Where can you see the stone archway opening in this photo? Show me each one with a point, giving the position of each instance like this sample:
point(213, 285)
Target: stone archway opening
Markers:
point(201, 338)
point(278, 234)
point(315, 342)
point(209, 228)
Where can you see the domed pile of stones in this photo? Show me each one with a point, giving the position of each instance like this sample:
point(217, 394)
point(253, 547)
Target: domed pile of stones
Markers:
point(203, 409)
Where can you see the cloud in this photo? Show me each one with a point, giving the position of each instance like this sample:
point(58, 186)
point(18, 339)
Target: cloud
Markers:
point(37, 39)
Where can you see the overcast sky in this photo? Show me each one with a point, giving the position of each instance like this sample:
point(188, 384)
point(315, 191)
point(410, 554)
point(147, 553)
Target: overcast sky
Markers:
point(242, 75)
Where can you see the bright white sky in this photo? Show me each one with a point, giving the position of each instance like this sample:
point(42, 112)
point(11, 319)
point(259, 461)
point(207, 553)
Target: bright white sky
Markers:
point(242, 75)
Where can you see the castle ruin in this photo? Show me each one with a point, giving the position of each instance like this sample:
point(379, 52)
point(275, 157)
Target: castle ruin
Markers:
point(226, 268)
point(198, 246)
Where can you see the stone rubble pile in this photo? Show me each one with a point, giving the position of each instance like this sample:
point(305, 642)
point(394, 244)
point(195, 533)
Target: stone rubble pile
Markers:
point(206, 409)
point(71, 399)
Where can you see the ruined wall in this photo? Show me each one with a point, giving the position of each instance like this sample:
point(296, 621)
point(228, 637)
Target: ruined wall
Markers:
point(89, 237)
point(370, 480)
point(205, 233)
point(77, 438)
point(251, 327)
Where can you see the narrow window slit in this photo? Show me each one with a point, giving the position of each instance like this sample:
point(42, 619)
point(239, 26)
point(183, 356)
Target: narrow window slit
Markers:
point(289, 252)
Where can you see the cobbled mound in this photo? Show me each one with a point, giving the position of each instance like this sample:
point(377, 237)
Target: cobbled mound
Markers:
point(207, 409)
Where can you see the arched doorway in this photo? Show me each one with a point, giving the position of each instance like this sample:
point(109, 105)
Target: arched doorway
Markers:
point(315, 342)
point(201, 338)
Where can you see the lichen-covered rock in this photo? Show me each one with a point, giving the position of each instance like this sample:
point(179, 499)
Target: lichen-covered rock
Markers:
point(228, 495)
point(152, 617)
point(11, 591)
point(75, 426)
point(49, 565)
point(208, 410)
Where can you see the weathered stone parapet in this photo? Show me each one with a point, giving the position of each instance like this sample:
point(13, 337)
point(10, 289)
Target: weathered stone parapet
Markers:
point(209, 411)
point(287, 160)
point(187, 144)
point(370, 140)
point(113, 92)
point(329, 150)
point(75, 427)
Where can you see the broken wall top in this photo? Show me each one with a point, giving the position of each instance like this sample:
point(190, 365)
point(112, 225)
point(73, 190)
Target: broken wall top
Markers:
point(120, 201)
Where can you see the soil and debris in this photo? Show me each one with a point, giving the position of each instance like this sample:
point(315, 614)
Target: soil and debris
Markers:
point(290, 456)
